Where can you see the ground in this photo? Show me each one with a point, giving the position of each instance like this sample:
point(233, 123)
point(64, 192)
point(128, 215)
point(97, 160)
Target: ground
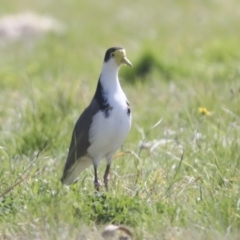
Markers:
point(177, 174)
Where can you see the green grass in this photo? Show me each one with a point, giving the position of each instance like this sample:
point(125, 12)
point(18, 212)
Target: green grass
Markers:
point(183, 183)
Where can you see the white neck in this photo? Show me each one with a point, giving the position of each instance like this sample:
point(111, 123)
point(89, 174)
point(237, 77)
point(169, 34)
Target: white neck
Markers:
point(109, 77)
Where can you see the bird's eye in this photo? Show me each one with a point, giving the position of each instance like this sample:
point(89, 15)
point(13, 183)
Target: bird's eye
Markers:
point(112, 54)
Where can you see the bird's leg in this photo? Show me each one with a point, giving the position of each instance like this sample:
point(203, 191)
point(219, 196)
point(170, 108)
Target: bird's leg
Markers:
point(106, 176)
point(96, 182)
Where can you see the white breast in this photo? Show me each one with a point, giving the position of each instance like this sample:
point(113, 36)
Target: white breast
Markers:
point(108, 133)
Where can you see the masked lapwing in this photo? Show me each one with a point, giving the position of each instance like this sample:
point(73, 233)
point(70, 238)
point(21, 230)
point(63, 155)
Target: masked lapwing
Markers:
point(104, 124)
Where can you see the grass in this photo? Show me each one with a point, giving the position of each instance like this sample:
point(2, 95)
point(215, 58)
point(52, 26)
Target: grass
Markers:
point(178, 180)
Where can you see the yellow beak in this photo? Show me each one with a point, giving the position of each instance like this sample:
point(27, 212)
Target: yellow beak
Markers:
point(120, 58)
point(126, 61)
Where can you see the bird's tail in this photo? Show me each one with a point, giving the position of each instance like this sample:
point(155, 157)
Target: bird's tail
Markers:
point(70, 175)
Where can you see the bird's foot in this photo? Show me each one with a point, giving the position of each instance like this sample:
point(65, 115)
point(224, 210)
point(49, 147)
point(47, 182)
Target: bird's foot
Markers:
point(106, 186)
point(97, 185)
point(106, 176)
point(106, 179)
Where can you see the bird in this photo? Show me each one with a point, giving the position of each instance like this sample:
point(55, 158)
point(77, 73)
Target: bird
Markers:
point(103, 126)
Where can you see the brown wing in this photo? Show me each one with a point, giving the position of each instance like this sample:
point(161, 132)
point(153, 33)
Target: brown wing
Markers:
point(77, 159)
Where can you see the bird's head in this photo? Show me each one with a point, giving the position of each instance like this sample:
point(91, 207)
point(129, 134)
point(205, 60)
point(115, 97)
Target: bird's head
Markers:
point(117, 55)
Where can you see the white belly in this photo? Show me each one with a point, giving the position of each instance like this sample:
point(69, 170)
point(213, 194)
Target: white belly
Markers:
point(108, 133)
